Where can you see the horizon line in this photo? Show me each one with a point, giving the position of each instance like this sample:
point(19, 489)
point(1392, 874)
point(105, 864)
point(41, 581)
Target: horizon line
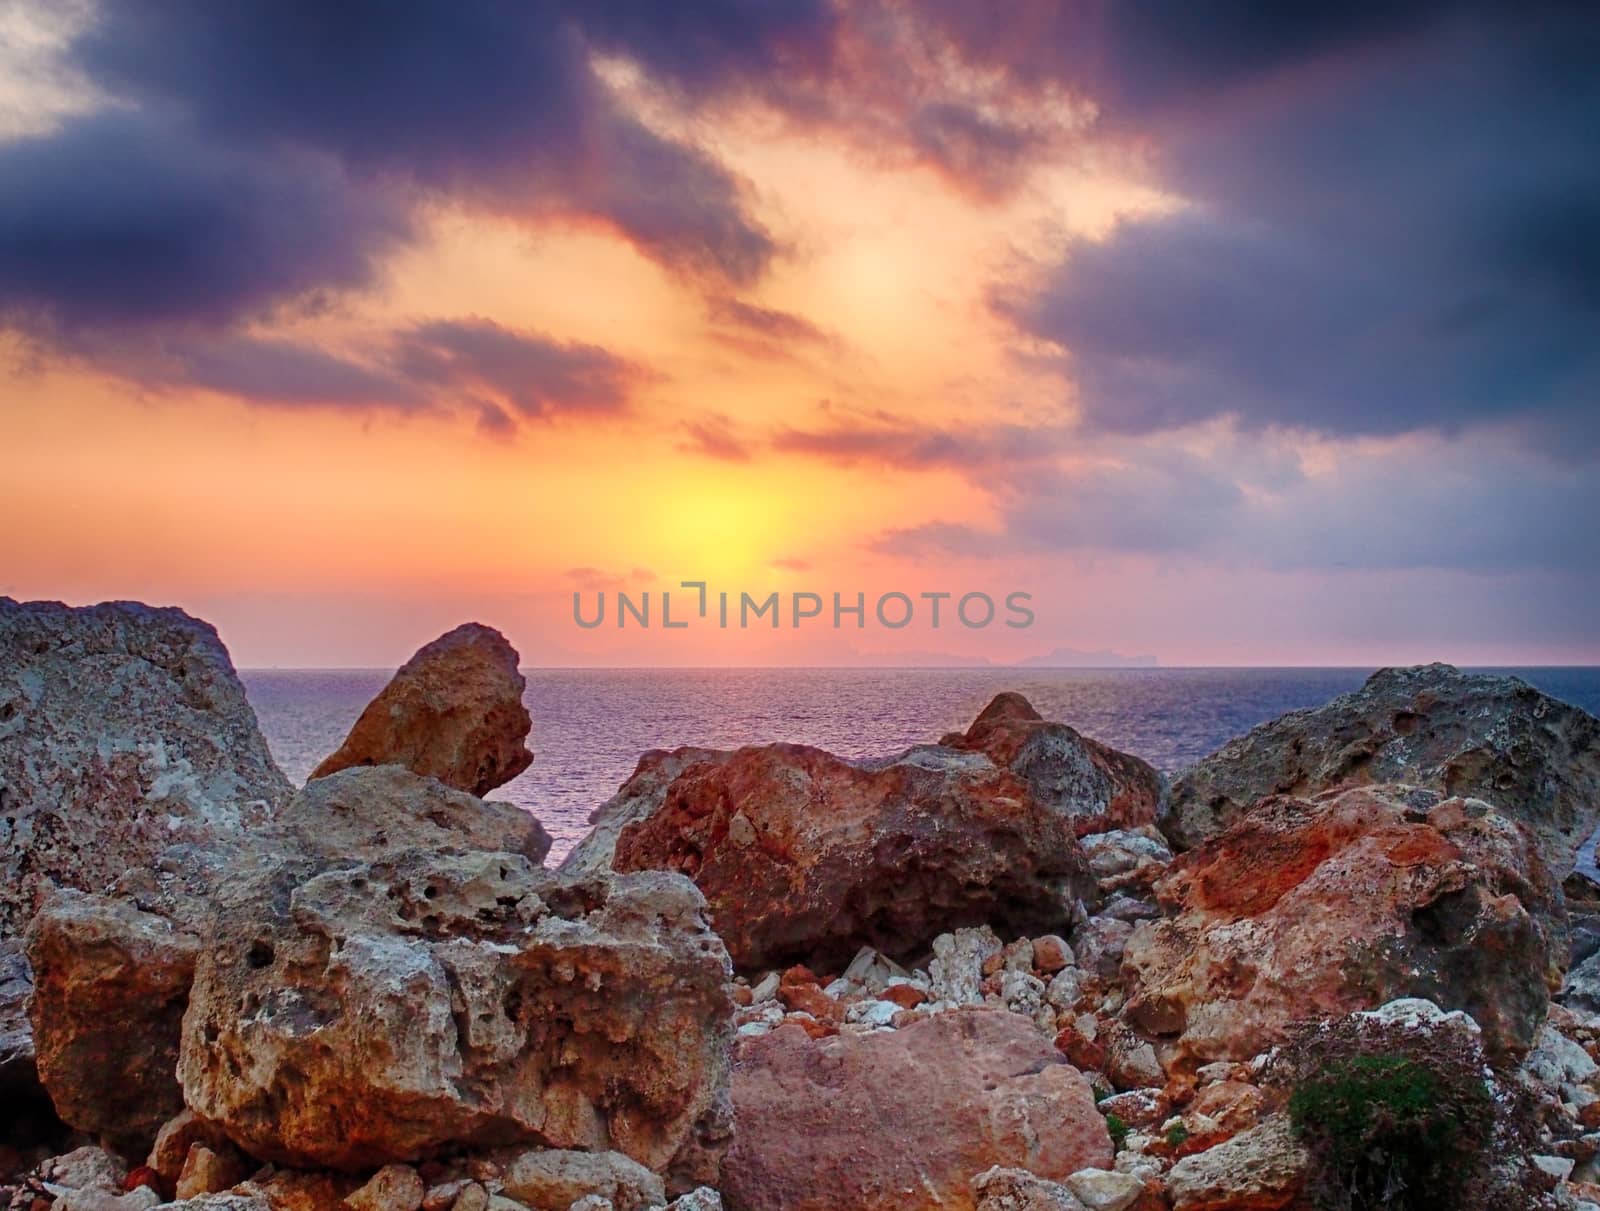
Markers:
point(910, 668)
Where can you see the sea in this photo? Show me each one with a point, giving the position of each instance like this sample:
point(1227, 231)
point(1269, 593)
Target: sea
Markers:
point(590, 726)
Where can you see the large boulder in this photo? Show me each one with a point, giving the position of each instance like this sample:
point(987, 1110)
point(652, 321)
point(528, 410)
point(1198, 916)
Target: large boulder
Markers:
point(111, 987)
point(113, 971)
point(1319, 907)
point(1100, 788)
point(387, 1011)
point(806, 857)
point(453, 712)
point(904, 1120)
point(1491, 738)
point(639, 797)
point(123, 730)
point(367, 813)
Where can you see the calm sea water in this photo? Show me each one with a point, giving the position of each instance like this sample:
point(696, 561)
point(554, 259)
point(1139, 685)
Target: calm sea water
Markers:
point(591, 725)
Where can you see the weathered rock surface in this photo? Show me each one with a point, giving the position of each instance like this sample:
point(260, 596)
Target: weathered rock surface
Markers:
point(1018, 1190)
point(368, 813)
point(1469, 735)
point(123, 730)
point(637, 799)
point(17, 1076)
point(903, 1119)
point(114, 970)
point(392, 1188)
point(805, 857)
point(1263, 1169)
point(383, 1011)
point(1307, 908)
point(111, 987)
point(452, 712)
point(1098, 787)
point(552, 1180)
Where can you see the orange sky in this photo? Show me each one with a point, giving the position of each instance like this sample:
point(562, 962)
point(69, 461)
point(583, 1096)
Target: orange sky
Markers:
point(800, 458)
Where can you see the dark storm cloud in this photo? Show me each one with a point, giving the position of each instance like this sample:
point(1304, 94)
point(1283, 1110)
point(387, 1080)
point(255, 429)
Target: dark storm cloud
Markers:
point(714, 44)
point(1405, 236)
point(268, 152)
point(1473, 505)
point(496, 103)
point(115, 221)
point(989, 155)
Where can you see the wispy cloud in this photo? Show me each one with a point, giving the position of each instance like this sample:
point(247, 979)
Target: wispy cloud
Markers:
point(714, 436)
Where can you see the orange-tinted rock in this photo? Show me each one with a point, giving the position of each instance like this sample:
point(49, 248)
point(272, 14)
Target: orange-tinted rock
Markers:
point(389, 1011)
point(1086, 1052)
point(1470, 735)
point(1138, 1107)
point(1232, 1105)
point(210, 1172)
point(369, 813)
point(1308, 908)
point(111, 984)
point(176, 1137)
point(804, 856)
point(799, 990)
point(903, 1120)
point(1050, 954)
point(113, 979)
point(453, 712)
point(144, 1175)
point(1098, 787)
point(1263, 1169)
point(815, 1028)
point(907, 996)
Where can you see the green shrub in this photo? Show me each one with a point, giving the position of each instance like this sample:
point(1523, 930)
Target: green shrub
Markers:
point(1119, 1131)
point(1177, 1135)
point(1396, 1118)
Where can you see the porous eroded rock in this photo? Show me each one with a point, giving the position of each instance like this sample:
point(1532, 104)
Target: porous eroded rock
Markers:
point(123, 730)
point(367, 813)
point(1319, 907)
point(382, 1012)
point(1470, 735)
point(114, 970)
point(806, 857)
point(1098, 787)
point(453, 712)
point(110, 991)
point(903, 1120)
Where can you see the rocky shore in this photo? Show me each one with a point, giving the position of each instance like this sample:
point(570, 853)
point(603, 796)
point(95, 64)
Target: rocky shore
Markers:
point(1344, 962)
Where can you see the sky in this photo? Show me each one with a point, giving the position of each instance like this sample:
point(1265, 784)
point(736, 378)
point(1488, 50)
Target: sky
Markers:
point(1229, 333)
